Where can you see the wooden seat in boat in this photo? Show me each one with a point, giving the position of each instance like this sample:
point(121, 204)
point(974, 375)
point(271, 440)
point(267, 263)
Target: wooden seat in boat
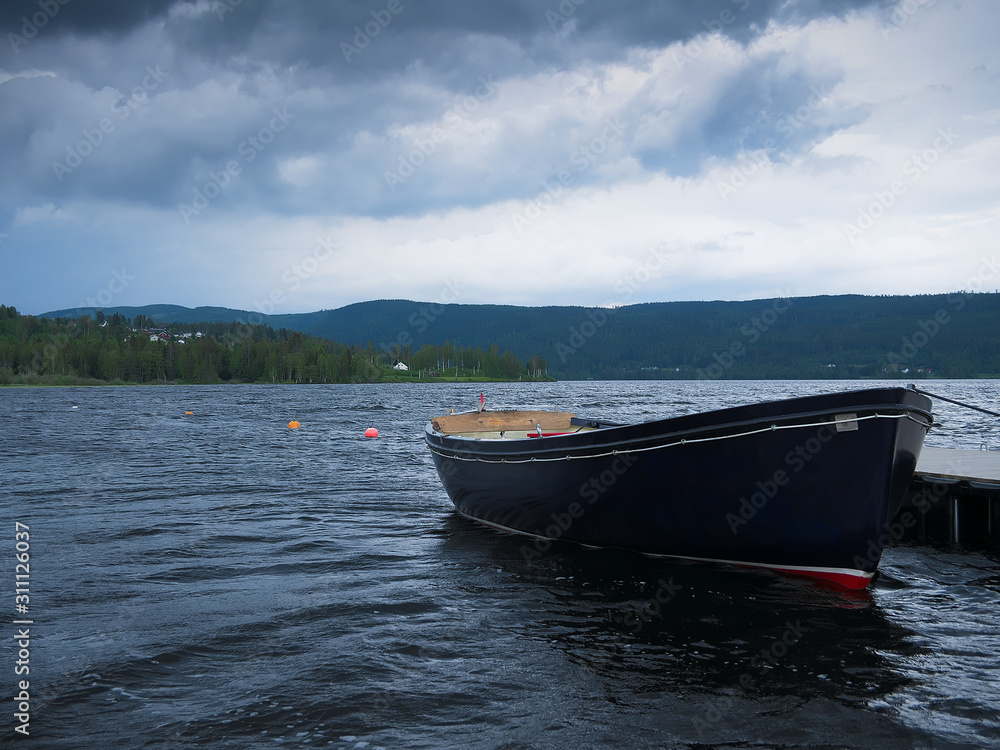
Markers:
point(504, 421)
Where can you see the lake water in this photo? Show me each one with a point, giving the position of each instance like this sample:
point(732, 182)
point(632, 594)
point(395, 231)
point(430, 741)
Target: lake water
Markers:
point(217, 580)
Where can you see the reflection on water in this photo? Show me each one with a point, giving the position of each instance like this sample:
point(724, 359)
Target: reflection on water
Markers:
point(743, 649)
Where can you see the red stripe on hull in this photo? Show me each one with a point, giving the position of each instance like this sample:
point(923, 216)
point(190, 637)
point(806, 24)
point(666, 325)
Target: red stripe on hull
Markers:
point(853, 581)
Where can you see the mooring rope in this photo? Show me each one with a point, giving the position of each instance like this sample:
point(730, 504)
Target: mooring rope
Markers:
point(953, 401)
point(682, 441)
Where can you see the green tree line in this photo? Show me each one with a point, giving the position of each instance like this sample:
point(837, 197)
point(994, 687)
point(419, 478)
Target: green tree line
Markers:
point(115, 349)
point(846, 336)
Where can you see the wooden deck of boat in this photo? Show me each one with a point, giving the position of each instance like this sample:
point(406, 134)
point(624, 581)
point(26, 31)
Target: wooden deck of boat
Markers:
point(495, 421)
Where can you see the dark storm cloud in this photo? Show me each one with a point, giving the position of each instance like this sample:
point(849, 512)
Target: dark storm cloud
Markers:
point(356, 78)
point(535, 151)
point(313, 32)
point(80, 16)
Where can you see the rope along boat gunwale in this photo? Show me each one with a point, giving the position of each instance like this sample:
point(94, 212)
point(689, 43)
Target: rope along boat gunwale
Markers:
point(657, 444)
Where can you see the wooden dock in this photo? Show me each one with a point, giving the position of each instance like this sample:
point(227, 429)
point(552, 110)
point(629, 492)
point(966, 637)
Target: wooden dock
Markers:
point(954, 499)
point(965, 465)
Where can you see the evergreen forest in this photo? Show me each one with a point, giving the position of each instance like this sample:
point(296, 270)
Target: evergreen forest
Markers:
point(118, 350)
point(910, 337)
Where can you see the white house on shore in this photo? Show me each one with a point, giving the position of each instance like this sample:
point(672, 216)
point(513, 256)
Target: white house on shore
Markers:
point(400, 366)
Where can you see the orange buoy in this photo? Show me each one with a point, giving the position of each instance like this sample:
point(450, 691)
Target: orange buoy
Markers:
point(371, 432)
point(293, 425)
point(187, 412)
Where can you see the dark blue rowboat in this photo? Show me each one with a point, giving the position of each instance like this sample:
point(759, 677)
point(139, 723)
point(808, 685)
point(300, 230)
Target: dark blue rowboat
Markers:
point(805, 485)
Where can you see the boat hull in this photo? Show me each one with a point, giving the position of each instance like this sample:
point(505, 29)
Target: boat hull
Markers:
point(807, 485)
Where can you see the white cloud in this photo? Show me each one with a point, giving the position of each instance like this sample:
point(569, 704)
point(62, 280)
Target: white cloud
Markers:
point(25, 215)
point(5, 76)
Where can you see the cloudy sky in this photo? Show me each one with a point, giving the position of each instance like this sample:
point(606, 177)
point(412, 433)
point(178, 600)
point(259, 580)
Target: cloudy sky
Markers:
point(295, 156)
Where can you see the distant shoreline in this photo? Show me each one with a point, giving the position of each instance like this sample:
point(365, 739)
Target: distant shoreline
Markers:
point(414, 381)
point(477, 381)
point(847, 337)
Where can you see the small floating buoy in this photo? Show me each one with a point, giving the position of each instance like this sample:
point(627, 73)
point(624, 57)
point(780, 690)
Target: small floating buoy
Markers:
point(371, 432)
point(293, 425)
point(189, 412)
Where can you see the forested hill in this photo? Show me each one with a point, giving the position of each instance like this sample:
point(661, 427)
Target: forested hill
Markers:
point(847, 336)
point(92, 350)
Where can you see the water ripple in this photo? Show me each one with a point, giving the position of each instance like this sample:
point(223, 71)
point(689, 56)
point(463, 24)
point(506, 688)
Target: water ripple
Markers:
point(218, 580)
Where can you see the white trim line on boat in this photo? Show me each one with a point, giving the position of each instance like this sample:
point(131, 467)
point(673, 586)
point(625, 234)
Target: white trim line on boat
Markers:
point(859, 574)
point(682, 441)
